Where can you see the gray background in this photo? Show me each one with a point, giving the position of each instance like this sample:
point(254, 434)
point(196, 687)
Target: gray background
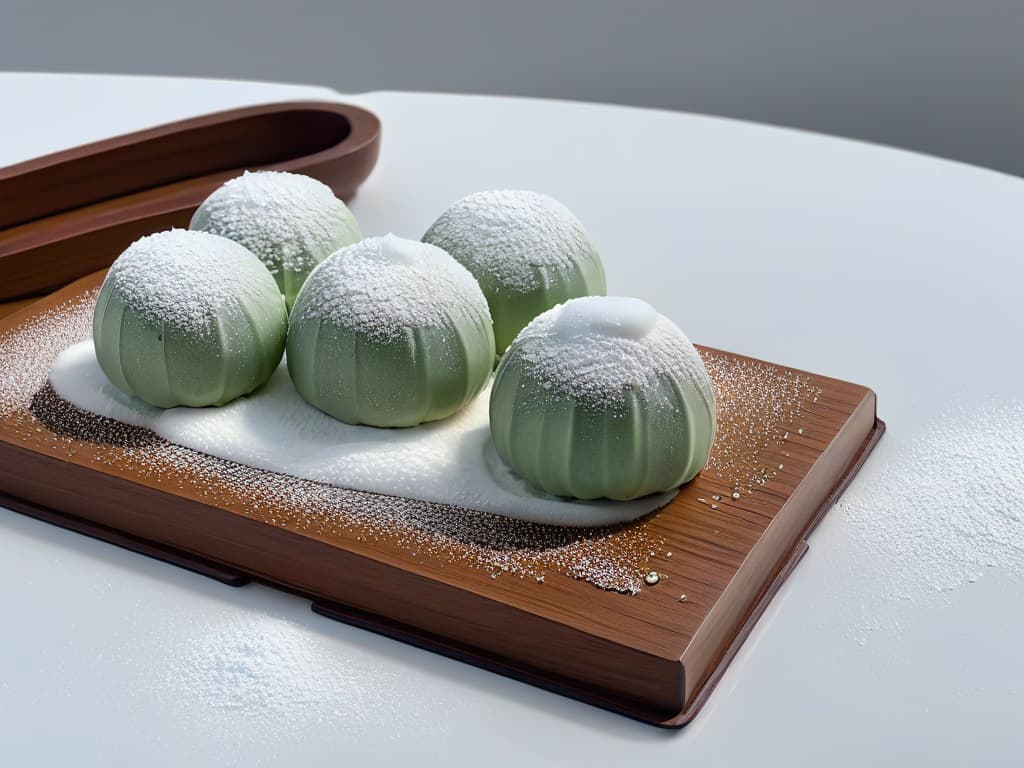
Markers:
point(938, 76)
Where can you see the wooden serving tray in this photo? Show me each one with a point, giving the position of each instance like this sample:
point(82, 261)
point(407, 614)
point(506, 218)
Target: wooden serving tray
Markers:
point(652, 655)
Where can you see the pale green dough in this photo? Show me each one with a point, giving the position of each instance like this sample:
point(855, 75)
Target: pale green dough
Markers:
point(390, 333)
point(292, 222)
point(603, 397)
point(527, 251)
point(188, 318)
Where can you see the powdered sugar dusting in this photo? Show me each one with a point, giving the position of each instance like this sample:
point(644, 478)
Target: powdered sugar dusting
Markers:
point(185, 279)
point(511, 237)
point(946, 507)
point(244, 663)
point(596, 350)
point(288, 220)
point(28, 350)
point(383, 286)
point(760, 409)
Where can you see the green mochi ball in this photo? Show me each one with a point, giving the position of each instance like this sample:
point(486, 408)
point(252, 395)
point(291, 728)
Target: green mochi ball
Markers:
point(390, 333)
point(603, 397)
point(527, 251)
point(292, 222)
point(188, 318)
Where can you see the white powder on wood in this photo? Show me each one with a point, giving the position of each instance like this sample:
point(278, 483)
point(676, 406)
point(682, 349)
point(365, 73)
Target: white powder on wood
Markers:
point(27, 351)
point(760, 408)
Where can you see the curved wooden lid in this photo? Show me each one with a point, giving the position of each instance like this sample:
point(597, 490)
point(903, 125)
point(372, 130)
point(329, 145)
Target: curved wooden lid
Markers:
point(65, 215)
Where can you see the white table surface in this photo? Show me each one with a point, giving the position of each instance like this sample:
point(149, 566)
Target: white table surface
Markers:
point(891, 269)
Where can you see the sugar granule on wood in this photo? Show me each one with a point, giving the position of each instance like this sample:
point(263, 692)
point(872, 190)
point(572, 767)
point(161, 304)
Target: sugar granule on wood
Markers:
point(28, 351)
point(611, 558)
point(758, 403)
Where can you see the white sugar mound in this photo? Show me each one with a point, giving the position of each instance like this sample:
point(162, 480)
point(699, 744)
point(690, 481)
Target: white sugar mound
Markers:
point(448, 462)
point(289, 220)
point(948, 506)
point(184, 278)
point(248, 663)
point(511, 237)
point(382, 286)
point(598, 349)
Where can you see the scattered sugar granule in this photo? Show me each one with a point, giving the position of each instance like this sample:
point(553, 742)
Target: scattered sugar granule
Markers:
point(757, 404)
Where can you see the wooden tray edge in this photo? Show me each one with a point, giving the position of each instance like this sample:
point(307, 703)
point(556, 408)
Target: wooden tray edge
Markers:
point(185, 560)
point(426, 641)
point(761, 604)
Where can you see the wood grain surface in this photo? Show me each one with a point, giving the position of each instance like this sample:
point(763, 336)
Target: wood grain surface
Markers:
point(10, 307)
point(65, 215)
point(650, 655)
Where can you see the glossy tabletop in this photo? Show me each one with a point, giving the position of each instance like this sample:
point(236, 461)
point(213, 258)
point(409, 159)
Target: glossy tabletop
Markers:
point(896, 641)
